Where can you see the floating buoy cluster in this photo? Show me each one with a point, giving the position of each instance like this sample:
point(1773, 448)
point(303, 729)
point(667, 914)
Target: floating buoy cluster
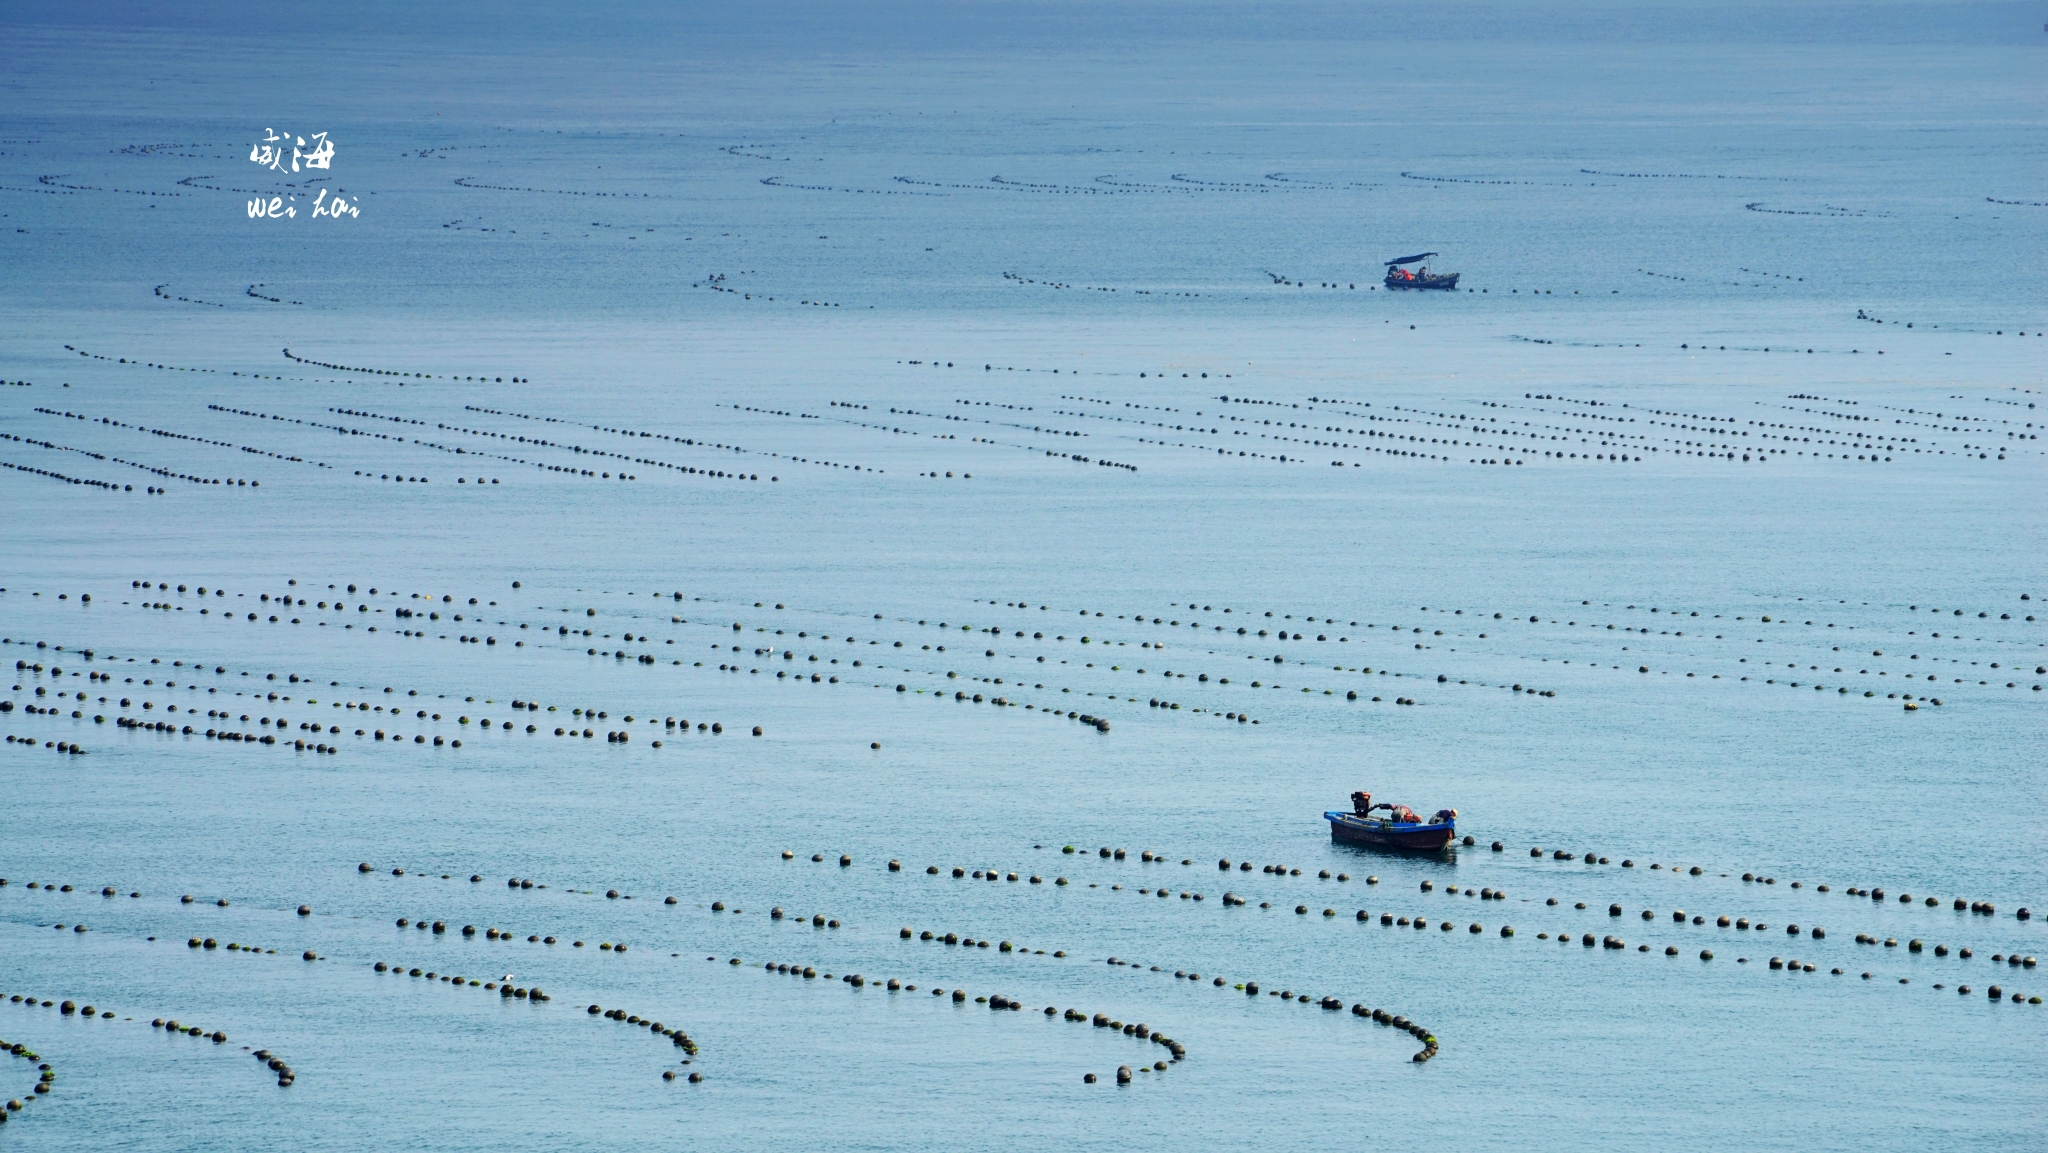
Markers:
point(316, 745)
point(677, 1037)
point(471, 182)
point(135, 363)
point(415, 442)
point(1232, 715)
point(1008, 947)
point(505, 989)
point(254, 295)
point(1361, 916)
point(173, 1027)
point(46, 1077)
point(301, 744)
point(110, 422)
point(55, 182)
point(996, 1002)
point(277, 1065)
point(109, 486)
point(68, 748)
point(391, 372)
point(170, 1027)
point(638, 434)
point(209, 944)
point(1251, 987)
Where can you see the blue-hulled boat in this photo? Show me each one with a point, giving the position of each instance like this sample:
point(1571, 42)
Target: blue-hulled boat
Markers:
point(1400, 828)
point(1422, 277)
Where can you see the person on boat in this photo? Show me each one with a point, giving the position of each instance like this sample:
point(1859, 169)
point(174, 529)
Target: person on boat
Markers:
point(1444, 817)
point(1361, 803)
point(1402, 814)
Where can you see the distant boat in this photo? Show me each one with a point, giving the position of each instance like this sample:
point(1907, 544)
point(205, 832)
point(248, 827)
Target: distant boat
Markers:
point(1399, 829)
point(1422, 277)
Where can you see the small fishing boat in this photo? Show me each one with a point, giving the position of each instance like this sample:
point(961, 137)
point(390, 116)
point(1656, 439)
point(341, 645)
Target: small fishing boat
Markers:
point(1422, 277)
point(1400, 828)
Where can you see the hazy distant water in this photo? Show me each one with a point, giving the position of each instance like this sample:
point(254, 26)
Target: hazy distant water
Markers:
point(1619, 185)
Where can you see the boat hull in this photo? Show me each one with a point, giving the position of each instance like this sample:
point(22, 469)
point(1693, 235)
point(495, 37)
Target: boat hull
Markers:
point(1448, 280)
point(1352, 830)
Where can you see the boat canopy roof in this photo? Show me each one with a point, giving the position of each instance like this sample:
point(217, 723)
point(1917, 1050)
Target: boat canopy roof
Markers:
point(1410, 259)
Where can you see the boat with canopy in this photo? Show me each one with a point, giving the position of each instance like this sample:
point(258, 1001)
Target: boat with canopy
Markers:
point(1398, 275)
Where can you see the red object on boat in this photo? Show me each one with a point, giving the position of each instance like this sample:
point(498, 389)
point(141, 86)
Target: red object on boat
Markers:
point(1401, 828)
point(1422, 277)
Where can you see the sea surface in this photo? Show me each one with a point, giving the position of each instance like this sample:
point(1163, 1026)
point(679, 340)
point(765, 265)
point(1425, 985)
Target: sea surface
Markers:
point(842, 404)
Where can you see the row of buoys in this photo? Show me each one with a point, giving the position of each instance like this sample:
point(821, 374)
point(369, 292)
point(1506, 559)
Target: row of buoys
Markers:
point(105, 891)
point(1724, 921)
point(172, 1027)
point(496, 934)
point(1610, 945)
point(906, 933)
point(952, 938)
point(1615, 942)
point(715, 728)
point(679, 1038)
point(111, 486)
point(505, 988)
point(678, 440)
point(277, 1065)
point(389, 372)
point(304, 745)
point(46, 1079)
point(995, 1002)
point(1229, 717)
point(777, 913)
point(67, 1008)
point(681, 469)
point(1387, 919)
point(166, 433)
point(508, 991)
point(1442, 679)
point(211, 943)
point(1986, 908)
point(1980, 906)
point(1231, 899)
point(66, 747)
point(567, 470)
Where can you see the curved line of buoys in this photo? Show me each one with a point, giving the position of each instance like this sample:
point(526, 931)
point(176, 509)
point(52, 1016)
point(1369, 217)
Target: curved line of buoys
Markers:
point(996, 1002)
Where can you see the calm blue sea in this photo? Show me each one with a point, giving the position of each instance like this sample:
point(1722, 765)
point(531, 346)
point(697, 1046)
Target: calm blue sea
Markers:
point(891, 388)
